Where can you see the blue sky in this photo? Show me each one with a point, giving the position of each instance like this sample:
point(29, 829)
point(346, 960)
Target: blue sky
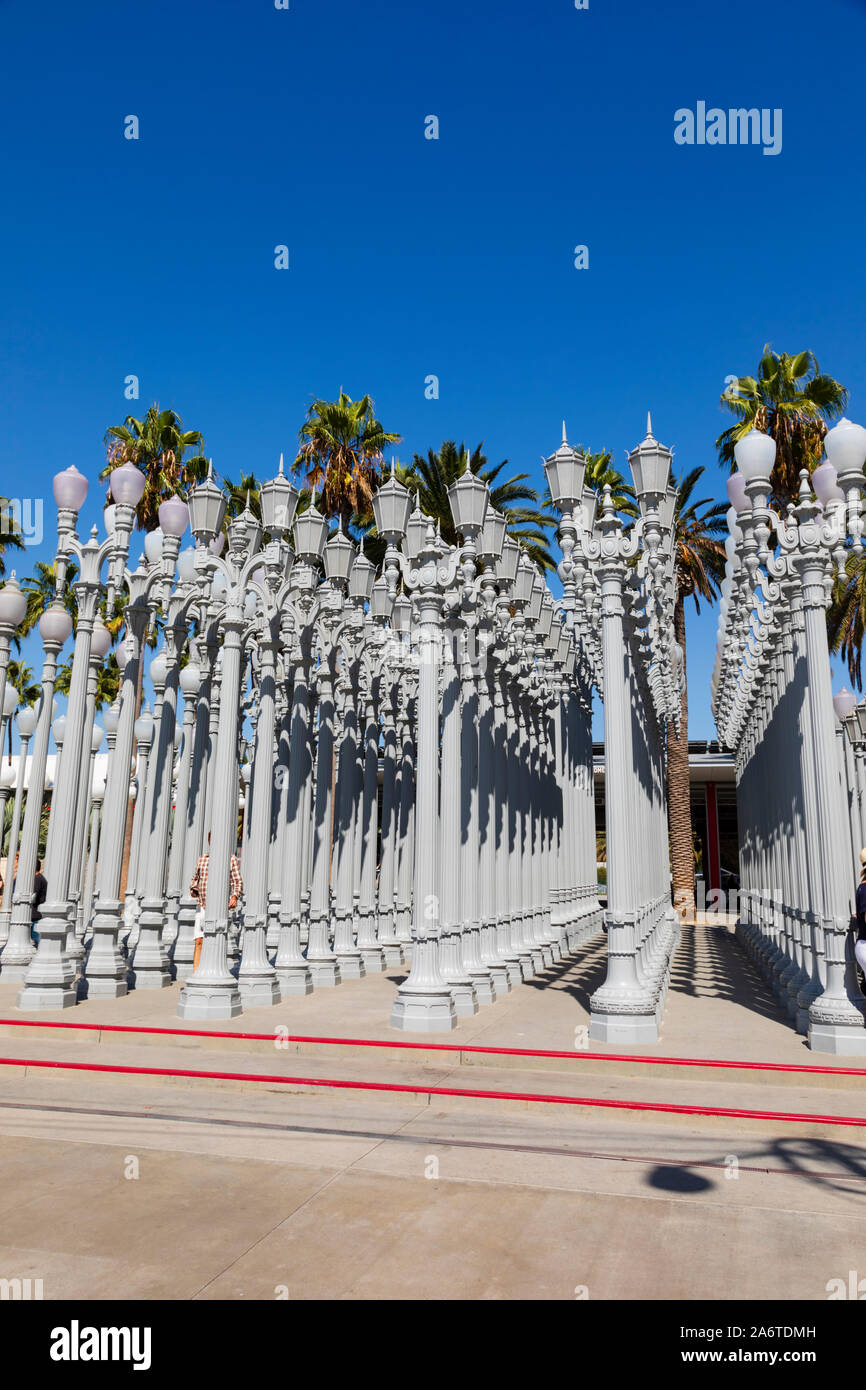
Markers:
point(409, 256)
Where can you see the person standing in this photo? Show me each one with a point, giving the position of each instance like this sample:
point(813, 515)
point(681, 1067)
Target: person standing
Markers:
point(198, 889)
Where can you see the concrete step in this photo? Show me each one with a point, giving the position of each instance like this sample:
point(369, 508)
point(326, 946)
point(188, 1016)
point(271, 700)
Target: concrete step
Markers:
point(417, 1081)
point(595, 1060)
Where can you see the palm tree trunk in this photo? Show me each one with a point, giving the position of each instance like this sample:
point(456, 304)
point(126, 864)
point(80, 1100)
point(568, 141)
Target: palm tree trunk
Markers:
point(679, 795)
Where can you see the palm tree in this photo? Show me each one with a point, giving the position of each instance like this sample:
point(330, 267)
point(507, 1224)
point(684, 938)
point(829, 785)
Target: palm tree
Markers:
point(41, 589)
point(792, 400)
point(248, 490)
point(340, 454)
point(107, 681)
point(156, 445)
point(700, 569)
point(846, 616)
point(600, 473)
point(527, 519)
point(20, 678)
point(10, 532)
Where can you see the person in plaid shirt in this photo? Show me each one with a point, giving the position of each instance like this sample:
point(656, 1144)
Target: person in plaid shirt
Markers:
point(198, 889)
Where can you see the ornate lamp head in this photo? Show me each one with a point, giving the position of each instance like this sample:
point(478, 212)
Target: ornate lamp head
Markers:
point(207, 509)
point(565, 473)
point(469, 498)
point(391, 507)
point(311, 533)
point(650, 465)
point(279, 502)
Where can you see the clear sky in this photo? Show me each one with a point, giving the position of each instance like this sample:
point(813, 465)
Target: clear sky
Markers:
point(305, 127)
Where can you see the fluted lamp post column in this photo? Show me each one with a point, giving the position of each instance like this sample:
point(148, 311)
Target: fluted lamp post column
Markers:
point(211, 992)
point(424, 1002)
point(55, 625)
point(49, 980)
point(26, 721)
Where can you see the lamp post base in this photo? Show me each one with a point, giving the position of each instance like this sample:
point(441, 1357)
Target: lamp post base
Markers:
point(209, 1003)
point(47, 997)
point(424, 1013)
point(627, 1029)
point(351, 965)
point(838, 1039)
point(373, 958)
point(294, 981)
point(325, 974)
point(260, 993)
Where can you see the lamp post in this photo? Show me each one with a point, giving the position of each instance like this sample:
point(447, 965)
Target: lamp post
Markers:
point(636, 672)
point(55, 626)
point(780, 566)
point(26, 721)
point(212, 991)
point(49, 980)
point(13, 609)
point(424, 1002)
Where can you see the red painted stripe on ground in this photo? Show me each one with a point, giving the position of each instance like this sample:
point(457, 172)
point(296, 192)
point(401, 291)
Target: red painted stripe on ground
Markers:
point(577, 1056)
point(726, 1112)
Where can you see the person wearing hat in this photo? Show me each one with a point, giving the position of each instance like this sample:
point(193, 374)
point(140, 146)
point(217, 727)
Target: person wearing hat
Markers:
point(860, 904)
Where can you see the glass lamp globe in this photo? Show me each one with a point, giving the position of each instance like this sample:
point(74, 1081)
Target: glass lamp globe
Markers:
point(844, 703)
point(70, 489)
point(126, 484)
point(190, 679)
point(845, 447)
point(8, 775)
point(173, 516)
point(58, 729)
point(158, 669)
point(26, 721)
point(55, 624)
point(111, 718)
point(10, 700)
point(153, 546)
point(100, 641)
point(144, 730)
point(96, 737)
point(737, 495)
point(13, 603)
point(186, 565)
point(825, 484)
point(755, 454)
point(109, 519)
